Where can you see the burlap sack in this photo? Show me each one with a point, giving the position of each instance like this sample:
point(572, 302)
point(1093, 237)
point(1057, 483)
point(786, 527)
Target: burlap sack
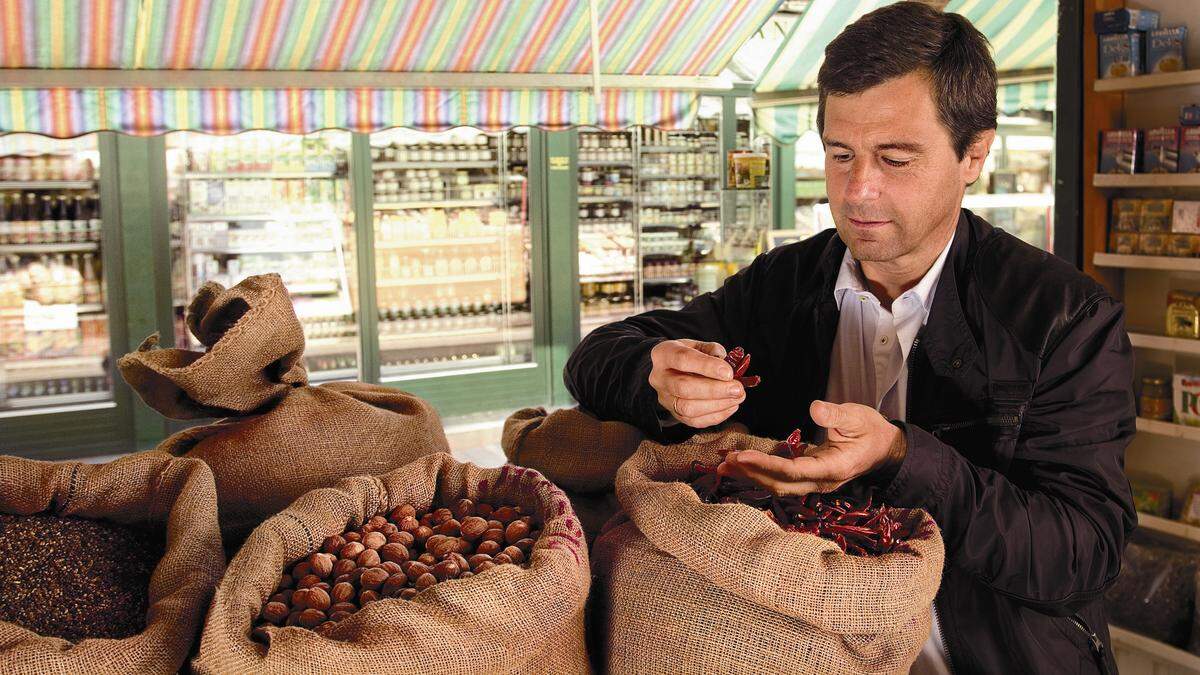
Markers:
point(505, 620)
point(685, 586)
point(152, 489)
point(282, 438)
point(576, 451)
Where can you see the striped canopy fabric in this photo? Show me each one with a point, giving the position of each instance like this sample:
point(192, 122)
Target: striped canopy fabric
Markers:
point(635, 37)
point(1022, 34)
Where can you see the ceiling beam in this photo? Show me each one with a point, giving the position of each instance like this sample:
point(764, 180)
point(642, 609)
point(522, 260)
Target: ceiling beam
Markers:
point(771, 99)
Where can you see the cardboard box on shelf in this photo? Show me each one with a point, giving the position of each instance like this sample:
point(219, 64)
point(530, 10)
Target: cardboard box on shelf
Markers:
point(1182, 245)
point(1152, 243)
point(1119, 150)
point(1125, 214)
point(1124, 243)
point(1189, 150)
point(1165, 50)
point(1156, 215)
point(1187, 399)
point(1160, 151)
point(1189, 115)
point(1125, 20)
point(1121, 55)
point(1185, 217)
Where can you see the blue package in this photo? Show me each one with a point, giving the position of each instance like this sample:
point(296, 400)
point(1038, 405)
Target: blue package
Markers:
point(1189, 115)
point(1165, 49)
point(1119, 150)
point(1189, 150)
point(1125, 20)
point(1120, 55)
point(1160, 150)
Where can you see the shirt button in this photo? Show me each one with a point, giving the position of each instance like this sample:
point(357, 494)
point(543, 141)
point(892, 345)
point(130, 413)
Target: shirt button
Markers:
point(883, 340)
point(956, 364)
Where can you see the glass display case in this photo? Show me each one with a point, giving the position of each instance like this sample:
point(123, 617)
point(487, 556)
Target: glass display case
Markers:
point(608, 240)
point(451, 251)
point(264, 202)
point(54, 335)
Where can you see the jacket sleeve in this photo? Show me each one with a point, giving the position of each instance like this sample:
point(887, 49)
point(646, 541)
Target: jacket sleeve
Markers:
point(1050, 531)
point(608, 373)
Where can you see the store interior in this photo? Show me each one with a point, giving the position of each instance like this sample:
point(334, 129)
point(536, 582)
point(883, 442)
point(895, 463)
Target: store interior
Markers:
point(457, 241)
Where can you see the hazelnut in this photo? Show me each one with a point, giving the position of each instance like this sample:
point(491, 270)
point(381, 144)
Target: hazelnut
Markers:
point(408, 593)
point(506, 514)
point(343, 579)
point(494, 524)
point(349, 607)
point(427, 520)
point(374, 540)
point(422, 534)
point(442, 515)
point(489, 547)
point(425, 581)
point(300, 599)
point(428, 558)
point(391, 567)
point(447, 569)
point(324, 585)
point(459, 560)
point(321, 564)
point(339, 616)
point(367, 596)
point(463, 545)
point(333, 544)
point(396, 553)
point(368, 558)
point(343, 592)
point(293, 618)
point(449, 528)
point(502, 559)
point(484, 566)
point(515, 553)
point(515, 532)
point(484, 510)
point(309, 581)
point(477, 559)
point(357, 574)
point(326, 626)
point(352, 536)
point(495, 534)
point(442, 546)
point(526, 545)
point(275, 612)
point(405, 538)
point(409, 524)
point(466, 575)
point(528, 520)
point(318, 599)
point(301, 569)
point(311, 618)
point(393, 584)
point(344, 566)
point(373, 578)
point(416, 570)
point(377, 522)
point(285, 581)
point(350, 551)
point(403, 511)
point(473, 527)
point(463, 508)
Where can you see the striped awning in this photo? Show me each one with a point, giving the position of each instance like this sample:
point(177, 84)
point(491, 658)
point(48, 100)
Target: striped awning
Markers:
point(1022, 35)
point(547, 37)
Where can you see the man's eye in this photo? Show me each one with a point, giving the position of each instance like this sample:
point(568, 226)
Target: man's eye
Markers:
point(843, 157)
point(896, 162)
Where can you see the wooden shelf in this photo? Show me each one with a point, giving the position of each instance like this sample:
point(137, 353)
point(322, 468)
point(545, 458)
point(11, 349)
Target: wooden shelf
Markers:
point(1158, 649)
point(1163, 343)
point(1155, 81)
point(1168, 526)
point(1168, 429)
point(1146, 180)
point(1146, 262)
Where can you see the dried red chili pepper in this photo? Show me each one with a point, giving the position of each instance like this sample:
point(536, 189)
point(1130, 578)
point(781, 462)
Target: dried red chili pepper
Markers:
point(739, 360)
point(863, 530)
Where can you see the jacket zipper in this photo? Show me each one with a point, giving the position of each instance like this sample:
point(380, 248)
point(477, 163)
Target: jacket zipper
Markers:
point(1097, 645)
point(942, 637)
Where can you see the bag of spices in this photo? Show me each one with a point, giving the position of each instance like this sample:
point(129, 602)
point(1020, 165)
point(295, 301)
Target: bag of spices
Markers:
point(105, 568)
point(688, 586)
point(281, 437)
point(504, 618)
point(573, 449)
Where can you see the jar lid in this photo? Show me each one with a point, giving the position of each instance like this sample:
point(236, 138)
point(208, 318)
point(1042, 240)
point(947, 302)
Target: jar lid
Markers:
point(1154, 381)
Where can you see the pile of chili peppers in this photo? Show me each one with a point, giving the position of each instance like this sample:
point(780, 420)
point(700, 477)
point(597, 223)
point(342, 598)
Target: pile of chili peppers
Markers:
point(739, 360)
point(863, 530)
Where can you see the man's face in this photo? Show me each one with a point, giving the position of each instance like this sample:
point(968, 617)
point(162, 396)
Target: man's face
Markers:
point(895, 183)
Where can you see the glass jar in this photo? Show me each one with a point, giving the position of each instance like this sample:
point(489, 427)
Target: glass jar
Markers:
point(1155, 402)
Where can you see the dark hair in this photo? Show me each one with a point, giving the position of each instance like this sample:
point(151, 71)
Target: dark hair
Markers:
point(907, 37)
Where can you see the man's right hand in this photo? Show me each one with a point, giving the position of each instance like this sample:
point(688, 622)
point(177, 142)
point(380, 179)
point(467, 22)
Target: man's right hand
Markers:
point(694, 383)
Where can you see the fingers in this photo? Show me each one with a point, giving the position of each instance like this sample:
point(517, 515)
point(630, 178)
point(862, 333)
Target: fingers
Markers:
point(678, 355)
point(684, 385)
point(711, 348)
point(699, 414)
point(767, 475)
point(847, 418)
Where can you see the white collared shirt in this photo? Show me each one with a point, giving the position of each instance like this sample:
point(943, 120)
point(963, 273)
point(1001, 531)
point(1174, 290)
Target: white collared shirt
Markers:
point(869, 365)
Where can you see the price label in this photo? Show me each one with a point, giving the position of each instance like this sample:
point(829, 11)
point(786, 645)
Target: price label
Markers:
point(39, 317)
point(559, 163)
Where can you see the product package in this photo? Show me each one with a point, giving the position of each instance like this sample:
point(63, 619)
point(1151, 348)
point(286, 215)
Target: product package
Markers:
point(1119, 150)
point(1189, 115)
point(1125, 243)
point(1151, 494)
point(1189, 150)
point(1191, 505)
point(1183, 319)
point(1125, 20)
point(1165, 50)
point(1152, 243)
point(1121, 55)
point(1125, 214)
point(1187, 399)
point(1182, 245)
point(1156, 215)
point(1160, 152)
point(1185, 217)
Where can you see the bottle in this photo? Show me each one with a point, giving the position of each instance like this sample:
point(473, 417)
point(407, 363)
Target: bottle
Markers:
point(62, 219)
point(79, 221)
point(91, 282)
point(5, 223)
point(94, 222)
point(32, 226)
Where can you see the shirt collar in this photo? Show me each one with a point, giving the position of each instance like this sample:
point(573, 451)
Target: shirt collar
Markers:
point(850, 279)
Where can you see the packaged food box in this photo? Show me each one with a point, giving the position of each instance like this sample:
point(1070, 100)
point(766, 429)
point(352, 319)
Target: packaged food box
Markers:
point(1185, 217)
point(1125, 214)
point(1189, 115)
point(1125, 20)
point(1152, 243)
point(1165, 49)
point(1191, 505)
point(1182, 245)
point(1156, 215)
point(1124, 243)
point(1189, 150)
point(1160, 151)
point(1119, 150)
point(1120, 55)
point(1151, 494)
point(1187, 399)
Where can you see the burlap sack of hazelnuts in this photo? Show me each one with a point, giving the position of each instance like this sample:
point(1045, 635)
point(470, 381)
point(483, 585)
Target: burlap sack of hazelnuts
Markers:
point(684, 586)
point(175, 495)
point(506, 620)
point(281, 437)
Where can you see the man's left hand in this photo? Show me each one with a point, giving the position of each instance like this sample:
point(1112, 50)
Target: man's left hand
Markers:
point(859, 441)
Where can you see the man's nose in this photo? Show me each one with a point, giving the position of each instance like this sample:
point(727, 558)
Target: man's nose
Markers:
point(863, 185)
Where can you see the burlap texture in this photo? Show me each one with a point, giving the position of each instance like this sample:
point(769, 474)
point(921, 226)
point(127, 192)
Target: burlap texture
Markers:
point(686, 586)
point(284, 438)
point(576, 451)
point(505, 620)
point(148, 489)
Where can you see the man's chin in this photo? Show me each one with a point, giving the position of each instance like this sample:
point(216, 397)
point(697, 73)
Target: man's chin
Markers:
point(871, 250)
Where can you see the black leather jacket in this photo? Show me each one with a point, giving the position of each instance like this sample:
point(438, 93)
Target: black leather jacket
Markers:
point(1020, 406)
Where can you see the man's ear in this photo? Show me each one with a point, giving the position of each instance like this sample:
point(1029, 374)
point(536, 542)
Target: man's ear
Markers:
point(977, 152)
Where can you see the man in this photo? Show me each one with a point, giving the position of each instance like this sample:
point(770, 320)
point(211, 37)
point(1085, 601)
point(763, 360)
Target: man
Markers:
point(946, 364)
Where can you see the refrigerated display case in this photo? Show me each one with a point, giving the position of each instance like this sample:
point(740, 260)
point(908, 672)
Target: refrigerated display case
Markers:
point(451, 252)
point(54, 335)
point(264, 202)
point(608, 241)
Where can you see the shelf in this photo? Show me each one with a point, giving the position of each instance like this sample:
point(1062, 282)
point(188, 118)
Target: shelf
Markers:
point(1013, 200)
point(420, 243)
point(274, 217)
point(603, 199)
point(25, 402)
point(1155, 81)
point(1146, 180)
point(1168, 429)
point(1168, 526)
point(1158, 649)
point(1146, 262)
point(667, 281)
point(47, 184)
point(316, 247)
point(473, 164)
point(605, 278)
point(678, 148)
point(331, 346)
point(605, 162)
point(1163, 343)
point(74, 247)
point(259, 175)
point(682, 176)
point(311, 287)
point(453, 338)
point(673, 226)
point(33, 370)
point(441, 204)
point(430, 281)
point(680, 203)
point(331, 375)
